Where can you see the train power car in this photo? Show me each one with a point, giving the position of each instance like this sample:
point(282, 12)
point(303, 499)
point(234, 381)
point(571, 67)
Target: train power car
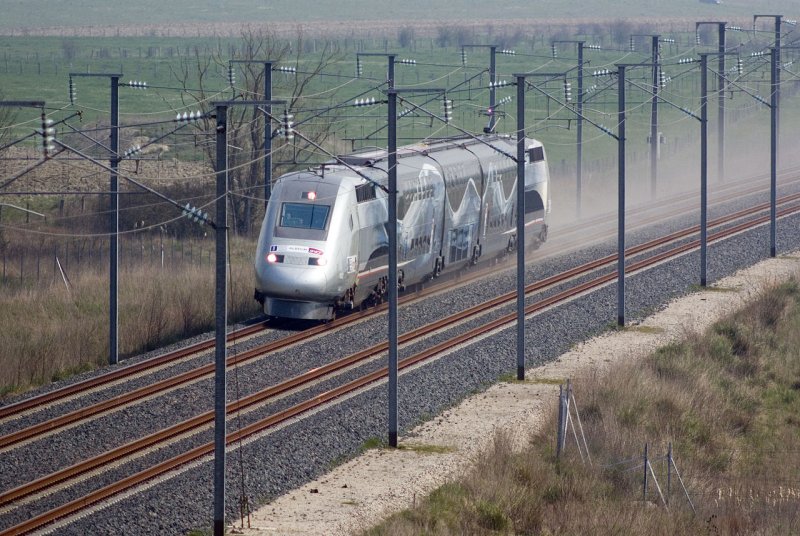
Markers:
point(323, 245)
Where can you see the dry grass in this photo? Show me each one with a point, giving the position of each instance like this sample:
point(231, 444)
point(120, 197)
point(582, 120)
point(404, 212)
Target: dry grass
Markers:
point(727, 400)
point(50, 333)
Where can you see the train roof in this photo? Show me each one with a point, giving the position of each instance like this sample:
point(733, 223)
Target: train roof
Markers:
point(372, 155)
point(372, 161)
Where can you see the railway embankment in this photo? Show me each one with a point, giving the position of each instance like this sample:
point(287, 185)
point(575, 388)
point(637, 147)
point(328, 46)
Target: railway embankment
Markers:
point(720, 466)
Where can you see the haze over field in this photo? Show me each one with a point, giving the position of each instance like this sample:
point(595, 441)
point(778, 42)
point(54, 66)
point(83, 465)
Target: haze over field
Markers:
point(134, 17)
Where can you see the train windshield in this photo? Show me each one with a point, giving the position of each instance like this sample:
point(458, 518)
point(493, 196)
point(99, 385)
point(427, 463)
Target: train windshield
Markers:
point(304, 215)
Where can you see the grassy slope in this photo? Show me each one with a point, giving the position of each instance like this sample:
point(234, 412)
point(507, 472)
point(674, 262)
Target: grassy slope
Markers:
point(38, 13)
point(727, 400)
point(157, 307)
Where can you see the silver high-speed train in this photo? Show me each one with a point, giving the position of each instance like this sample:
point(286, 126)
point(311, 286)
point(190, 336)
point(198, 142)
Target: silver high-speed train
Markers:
point(323, 245)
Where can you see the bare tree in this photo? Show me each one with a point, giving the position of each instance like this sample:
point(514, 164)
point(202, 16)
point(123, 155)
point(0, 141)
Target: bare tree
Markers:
point(405, 36)
point(69, 49)
point(8, 117)
point(620, 31)
point(201, 73)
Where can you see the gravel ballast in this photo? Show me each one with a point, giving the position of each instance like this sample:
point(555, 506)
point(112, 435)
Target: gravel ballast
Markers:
point(284, 459)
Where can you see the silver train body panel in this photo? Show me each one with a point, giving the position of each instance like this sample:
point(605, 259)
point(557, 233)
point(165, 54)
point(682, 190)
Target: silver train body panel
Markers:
point(324, 243)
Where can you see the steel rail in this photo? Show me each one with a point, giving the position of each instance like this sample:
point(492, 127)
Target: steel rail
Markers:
point(31, 432)
point(120, 373)
point(259, 397)
point(144, 366)
point(350, 387)
point(61, 421)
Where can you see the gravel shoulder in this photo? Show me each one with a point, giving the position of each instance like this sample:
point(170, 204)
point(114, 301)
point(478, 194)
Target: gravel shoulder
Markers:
point(362, 491)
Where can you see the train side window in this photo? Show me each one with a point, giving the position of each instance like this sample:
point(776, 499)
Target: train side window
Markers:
point(533, 201)
point(536, 154)
point(365, 192)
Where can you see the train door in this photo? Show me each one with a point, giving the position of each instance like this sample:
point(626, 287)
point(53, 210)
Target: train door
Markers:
point(461, 239)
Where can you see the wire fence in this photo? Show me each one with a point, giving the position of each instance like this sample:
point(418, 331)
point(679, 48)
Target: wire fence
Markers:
point(626, 473)
point(24, 265)
point(656, 478)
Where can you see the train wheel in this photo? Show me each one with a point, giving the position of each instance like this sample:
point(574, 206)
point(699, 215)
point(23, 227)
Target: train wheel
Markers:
point(543, 234)
point(512, 244)
point(476, 254)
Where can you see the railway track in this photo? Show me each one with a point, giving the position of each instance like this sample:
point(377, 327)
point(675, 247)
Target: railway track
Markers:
point(41, 429)
point(569, 237)
point(204, 420)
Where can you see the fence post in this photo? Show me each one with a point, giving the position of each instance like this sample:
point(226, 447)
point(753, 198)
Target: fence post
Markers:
point(669, 470)
point(644, 480)
point(562, 420)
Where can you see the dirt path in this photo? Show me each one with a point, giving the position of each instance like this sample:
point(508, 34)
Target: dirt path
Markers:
point(359, 493)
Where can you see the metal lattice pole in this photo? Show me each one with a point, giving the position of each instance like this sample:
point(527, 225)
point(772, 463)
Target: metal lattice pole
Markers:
point(267, 134)
point(392, 228)
point(703, 169)
point(721, 105)
point(579, 164)
point(492, 84)
point(621, 196)
point(520, 227)
point(773, 150)
point(221, 321)
point(654, 120)
point(113, 309)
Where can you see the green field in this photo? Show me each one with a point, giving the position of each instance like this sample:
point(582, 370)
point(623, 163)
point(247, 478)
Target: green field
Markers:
point(187, 73)
point(40, 67)
point(84, 13)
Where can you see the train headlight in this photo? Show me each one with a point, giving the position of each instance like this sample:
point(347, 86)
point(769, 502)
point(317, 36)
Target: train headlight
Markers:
point(272, 257)
point(318, 261)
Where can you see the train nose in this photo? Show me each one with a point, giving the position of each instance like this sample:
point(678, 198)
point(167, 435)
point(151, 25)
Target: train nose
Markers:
point(292, 280)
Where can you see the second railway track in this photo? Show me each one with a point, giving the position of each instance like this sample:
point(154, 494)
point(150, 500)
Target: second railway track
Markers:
point(329, 395)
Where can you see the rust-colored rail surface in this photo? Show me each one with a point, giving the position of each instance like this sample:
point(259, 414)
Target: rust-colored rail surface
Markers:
point(734, 189)
point(207, 418)
point(121, 373)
